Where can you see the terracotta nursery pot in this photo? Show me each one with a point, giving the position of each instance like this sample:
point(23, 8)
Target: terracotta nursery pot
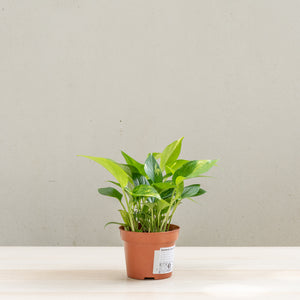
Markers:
point(149, 255)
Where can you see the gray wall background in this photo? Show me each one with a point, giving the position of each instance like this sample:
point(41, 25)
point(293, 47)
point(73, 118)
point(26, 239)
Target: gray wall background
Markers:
point(94, 77)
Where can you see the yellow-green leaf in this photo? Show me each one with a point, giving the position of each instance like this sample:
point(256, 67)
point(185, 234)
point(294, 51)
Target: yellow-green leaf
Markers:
point(176, 165)
point(170, 154)
point(113, 167)
point(131, 161)
point(144, 190)
point(192, 169)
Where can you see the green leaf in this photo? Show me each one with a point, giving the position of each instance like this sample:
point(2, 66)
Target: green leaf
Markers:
point(192, 169)
point(163, 186)
point(201, 192)
point(114, 168)
point(132, 162)
point(176, 165)
point(193, 190)
point(145, 191)
point(167, 194)
point(139, 179)
point(156, 155)
point(149, 205)
point(117, 223)
point(170, 154)
point(167, 175)
point(113, 182)
point(129, 169)
point(162, 204)
point(111, 192)
point(190, 191)
point(152, 169)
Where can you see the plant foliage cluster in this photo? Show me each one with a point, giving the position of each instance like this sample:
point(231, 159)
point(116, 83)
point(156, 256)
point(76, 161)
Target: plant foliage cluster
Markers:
point(150, 193)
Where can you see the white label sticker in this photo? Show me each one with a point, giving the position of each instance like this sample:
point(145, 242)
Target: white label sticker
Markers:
point(163, 260)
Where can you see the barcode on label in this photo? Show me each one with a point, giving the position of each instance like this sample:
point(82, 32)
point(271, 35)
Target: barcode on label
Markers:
point(163, 260)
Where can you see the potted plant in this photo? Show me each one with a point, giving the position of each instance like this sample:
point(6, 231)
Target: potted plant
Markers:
point(149, 195)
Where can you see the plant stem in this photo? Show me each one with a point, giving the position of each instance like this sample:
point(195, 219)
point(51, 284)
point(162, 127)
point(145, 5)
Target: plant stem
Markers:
point(174, 209)
point(165, 220)
point(152, 219)
point(129, 212)
point(123, 205)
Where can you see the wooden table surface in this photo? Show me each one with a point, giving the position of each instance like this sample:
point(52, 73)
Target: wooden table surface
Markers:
point(200, 273)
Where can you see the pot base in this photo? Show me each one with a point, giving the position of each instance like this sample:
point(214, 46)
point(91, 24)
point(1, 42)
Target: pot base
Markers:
point(153, 277)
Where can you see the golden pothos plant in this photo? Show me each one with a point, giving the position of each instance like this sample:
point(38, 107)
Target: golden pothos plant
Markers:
point(150, 193)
